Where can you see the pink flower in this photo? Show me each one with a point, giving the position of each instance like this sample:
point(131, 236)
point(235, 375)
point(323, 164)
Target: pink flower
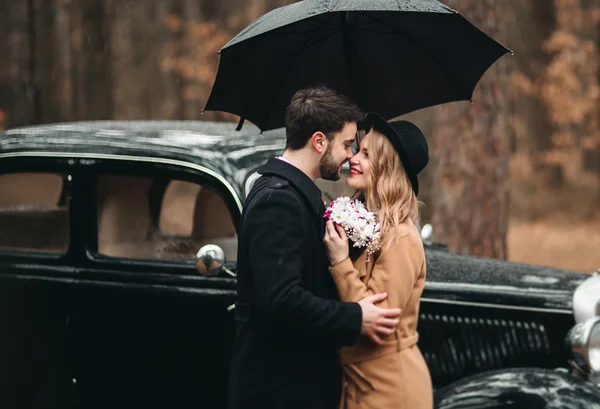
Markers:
point(360, 225)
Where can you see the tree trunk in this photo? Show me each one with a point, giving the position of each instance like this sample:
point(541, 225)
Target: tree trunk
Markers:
point(140, 40)
point(17, 87)
point(92, 84)
point(45, 57)
point(470, 169)
point(534, 22)
point(61, 76)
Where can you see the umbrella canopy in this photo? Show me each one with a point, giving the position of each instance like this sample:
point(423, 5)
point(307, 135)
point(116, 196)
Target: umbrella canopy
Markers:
point(390, 56)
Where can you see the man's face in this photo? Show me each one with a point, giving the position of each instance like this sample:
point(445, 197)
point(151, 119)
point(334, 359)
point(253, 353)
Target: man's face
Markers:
point(337, 153)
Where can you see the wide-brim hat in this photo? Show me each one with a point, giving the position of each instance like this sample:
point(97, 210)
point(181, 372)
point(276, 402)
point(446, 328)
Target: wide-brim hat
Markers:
point(407, 139)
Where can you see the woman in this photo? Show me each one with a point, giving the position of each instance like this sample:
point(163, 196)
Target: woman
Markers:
point(392, 374)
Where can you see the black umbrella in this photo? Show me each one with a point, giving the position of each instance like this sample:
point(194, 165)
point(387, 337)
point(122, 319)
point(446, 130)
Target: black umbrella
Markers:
point(389, 56)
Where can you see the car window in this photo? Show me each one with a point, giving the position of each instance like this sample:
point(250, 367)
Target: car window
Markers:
point(34, 212)
point(161, 219)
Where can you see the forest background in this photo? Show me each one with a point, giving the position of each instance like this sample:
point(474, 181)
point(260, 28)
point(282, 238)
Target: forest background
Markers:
point(514, 175)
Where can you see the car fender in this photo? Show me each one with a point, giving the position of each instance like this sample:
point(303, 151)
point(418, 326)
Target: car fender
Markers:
point(532, 388)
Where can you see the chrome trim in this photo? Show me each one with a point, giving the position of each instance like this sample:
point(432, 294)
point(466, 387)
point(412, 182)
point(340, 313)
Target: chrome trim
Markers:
point(492, 288)
point(131, 285)
point(578, 340)
point(146, 159)
point(497, 306)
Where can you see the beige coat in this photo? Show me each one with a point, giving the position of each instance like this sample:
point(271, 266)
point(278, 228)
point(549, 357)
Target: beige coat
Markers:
point(393, 375)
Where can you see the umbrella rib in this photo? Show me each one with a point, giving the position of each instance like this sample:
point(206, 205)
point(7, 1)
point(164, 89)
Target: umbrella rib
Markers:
point(277, 32)
point(289, 67)
point(378, 20)
point(306, 47)
point(452, 77)
point(361, 71)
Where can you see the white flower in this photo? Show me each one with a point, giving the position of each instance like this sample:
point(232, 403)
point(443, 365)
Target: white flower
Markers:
point(343, 202)
point(360, 225)
point(367, 229)
point(338, 215)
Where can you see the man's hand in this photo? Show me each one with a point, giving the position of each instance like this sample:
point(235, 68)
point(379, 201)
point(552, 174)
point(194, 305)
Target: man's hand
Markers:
point(378, 323)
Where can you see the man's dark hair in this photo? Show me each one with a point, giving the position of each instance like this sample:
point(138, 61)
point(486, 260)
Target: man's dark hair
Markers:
point(317, 109)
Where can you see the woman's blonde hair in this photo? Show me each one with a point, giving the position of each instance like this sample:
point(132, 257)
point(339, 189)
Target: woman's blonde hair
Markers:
point(389, 193)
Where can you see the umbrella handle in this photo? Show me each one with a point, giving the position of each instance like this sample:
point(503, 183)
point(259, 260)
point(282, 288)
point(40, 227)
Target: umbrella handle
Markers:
point(240, 124)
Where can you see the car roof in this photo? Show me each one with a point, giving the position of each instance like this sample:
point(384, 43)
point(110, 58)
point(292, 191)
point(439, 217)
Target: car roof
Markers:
point(214, 145)
point(235, 154)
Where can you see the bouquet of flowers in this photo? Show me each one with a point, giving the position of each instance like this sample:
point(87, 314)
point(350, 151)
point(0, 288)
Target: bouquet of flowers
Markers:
point(360, 225)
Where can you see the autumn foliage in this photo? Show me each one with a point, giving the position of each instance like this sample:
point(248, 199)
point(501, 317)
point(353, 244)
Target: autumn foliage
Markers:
point(528, 148)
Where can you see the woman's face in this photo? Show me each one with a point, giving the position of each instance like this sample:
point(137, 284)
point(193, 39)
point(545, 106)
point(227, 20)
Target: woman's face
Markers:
point(359, 167)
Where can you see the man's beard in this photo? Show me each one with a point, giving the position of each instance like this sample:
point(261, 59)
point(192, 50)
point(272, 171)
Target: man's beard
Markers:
point(329, 169)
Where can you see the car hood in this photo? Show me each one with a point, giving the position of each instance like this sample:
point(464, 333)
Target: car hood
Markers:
point(461, 278)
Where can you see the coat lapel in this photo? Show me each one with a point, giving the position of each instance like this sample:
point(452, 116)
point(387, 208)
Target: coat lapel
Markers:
point(298, 179)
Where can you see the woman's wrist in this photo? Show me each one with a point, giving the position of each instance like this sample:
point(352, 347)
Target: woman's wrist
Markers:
point(337, 262)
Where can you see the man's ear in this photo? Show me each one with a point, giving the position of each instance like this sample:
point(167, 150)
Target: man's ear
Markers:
point(319, 142)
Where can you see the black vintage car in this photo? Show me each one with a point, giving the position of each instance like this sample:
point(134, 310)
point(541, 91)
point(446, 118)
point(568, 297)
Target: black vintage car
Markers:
point(103, 302)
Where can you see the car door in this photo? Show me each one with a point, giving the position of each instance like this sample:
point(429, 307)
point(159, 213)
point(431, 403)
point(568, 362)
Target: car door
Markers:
point(36, 268)
point(149, 330)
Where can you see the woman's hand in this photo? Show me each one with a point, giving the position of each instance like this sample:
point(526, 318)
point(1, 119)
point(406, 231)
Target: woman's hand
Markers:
point(336, 242)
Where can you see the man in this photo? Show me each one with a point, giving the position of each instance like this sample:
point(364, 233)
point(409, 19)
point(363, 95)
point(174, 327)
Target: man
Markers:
point(289, 322)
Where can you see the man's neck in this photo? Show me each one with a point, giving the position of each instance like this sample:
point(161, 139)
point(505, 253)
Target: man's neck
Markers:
point(299, 160)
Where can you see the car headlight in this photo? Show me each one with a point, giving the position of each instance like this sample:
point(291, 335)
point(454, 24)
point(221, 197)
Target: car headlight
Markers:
point(584, 342)
point(586, 299)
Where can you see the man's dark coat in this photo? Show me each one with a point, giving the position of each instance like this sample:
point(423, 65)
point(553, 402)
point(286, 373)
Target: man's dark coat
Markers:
point(289, 322)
